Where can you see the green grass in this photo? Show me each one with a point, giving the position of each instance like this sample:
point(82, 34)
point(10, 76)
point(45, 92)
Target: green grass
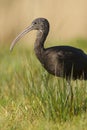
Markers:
point(30, 98)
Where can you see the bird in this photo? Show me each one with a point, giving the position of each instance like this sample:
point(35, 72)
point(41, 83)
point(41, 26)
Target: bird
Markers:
point(62, 61)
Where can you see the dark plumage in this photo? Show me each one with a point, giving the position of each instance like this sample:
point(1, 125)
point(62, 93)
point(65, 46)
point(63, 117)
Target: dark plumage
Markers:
point(62, 61)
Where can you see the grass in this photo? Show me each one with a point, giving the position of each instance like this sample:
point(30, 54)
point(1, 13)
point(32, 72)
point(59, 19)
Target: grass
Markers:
point(30, 98)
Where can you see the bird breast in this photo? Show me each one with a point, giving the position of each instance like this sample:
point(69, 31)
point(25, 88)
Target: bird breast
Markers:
point(52, 64)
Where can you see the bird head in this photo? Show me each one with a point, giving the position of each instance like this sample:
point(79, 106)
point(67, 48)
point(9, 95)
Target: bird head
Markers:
point(38, 24)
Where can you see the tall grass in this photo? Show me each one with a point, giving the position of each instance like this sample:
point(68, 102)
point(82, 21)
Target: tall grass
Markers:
point(50, 96)
point(29, 93)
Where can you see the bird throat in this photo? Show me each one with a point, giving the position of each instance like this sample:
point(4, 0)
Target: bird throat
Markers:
point(39, 44)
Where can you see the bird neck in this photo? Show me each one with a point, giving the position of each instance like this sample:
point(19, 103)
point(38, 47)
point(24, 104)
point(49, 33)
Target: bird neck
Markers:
point(39, 43)
point(40, 39)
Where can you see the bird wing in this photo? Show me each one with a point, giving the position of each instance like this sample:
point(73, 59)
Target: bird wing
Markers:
point(67, 52)
point(72, 55)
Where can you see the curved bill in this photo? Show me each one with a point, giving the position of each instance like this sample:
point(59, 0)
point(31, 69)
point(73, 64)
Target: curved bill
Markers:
point(26, 30)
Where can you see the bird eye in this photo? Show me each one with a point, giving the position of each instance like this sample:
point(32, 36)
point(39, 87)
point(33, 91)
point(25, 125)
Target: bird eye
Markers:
point(35, 23)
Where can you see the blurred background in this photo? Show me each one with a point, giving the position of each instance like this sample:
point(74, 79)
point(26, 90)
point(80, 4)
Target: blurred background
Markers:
point(68, 18)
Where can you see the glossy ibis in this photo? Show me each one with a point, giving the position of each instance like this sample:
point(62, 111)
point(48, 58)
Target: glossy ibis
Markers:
point(62, 61)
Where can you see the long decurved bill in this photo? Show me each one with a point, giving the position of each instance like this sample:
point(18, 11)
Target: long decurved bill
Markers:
point(26, 30)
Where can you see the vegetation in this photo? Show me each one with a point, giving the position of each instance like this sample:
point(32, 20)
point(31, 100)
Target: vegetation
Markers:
point(30, 98)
